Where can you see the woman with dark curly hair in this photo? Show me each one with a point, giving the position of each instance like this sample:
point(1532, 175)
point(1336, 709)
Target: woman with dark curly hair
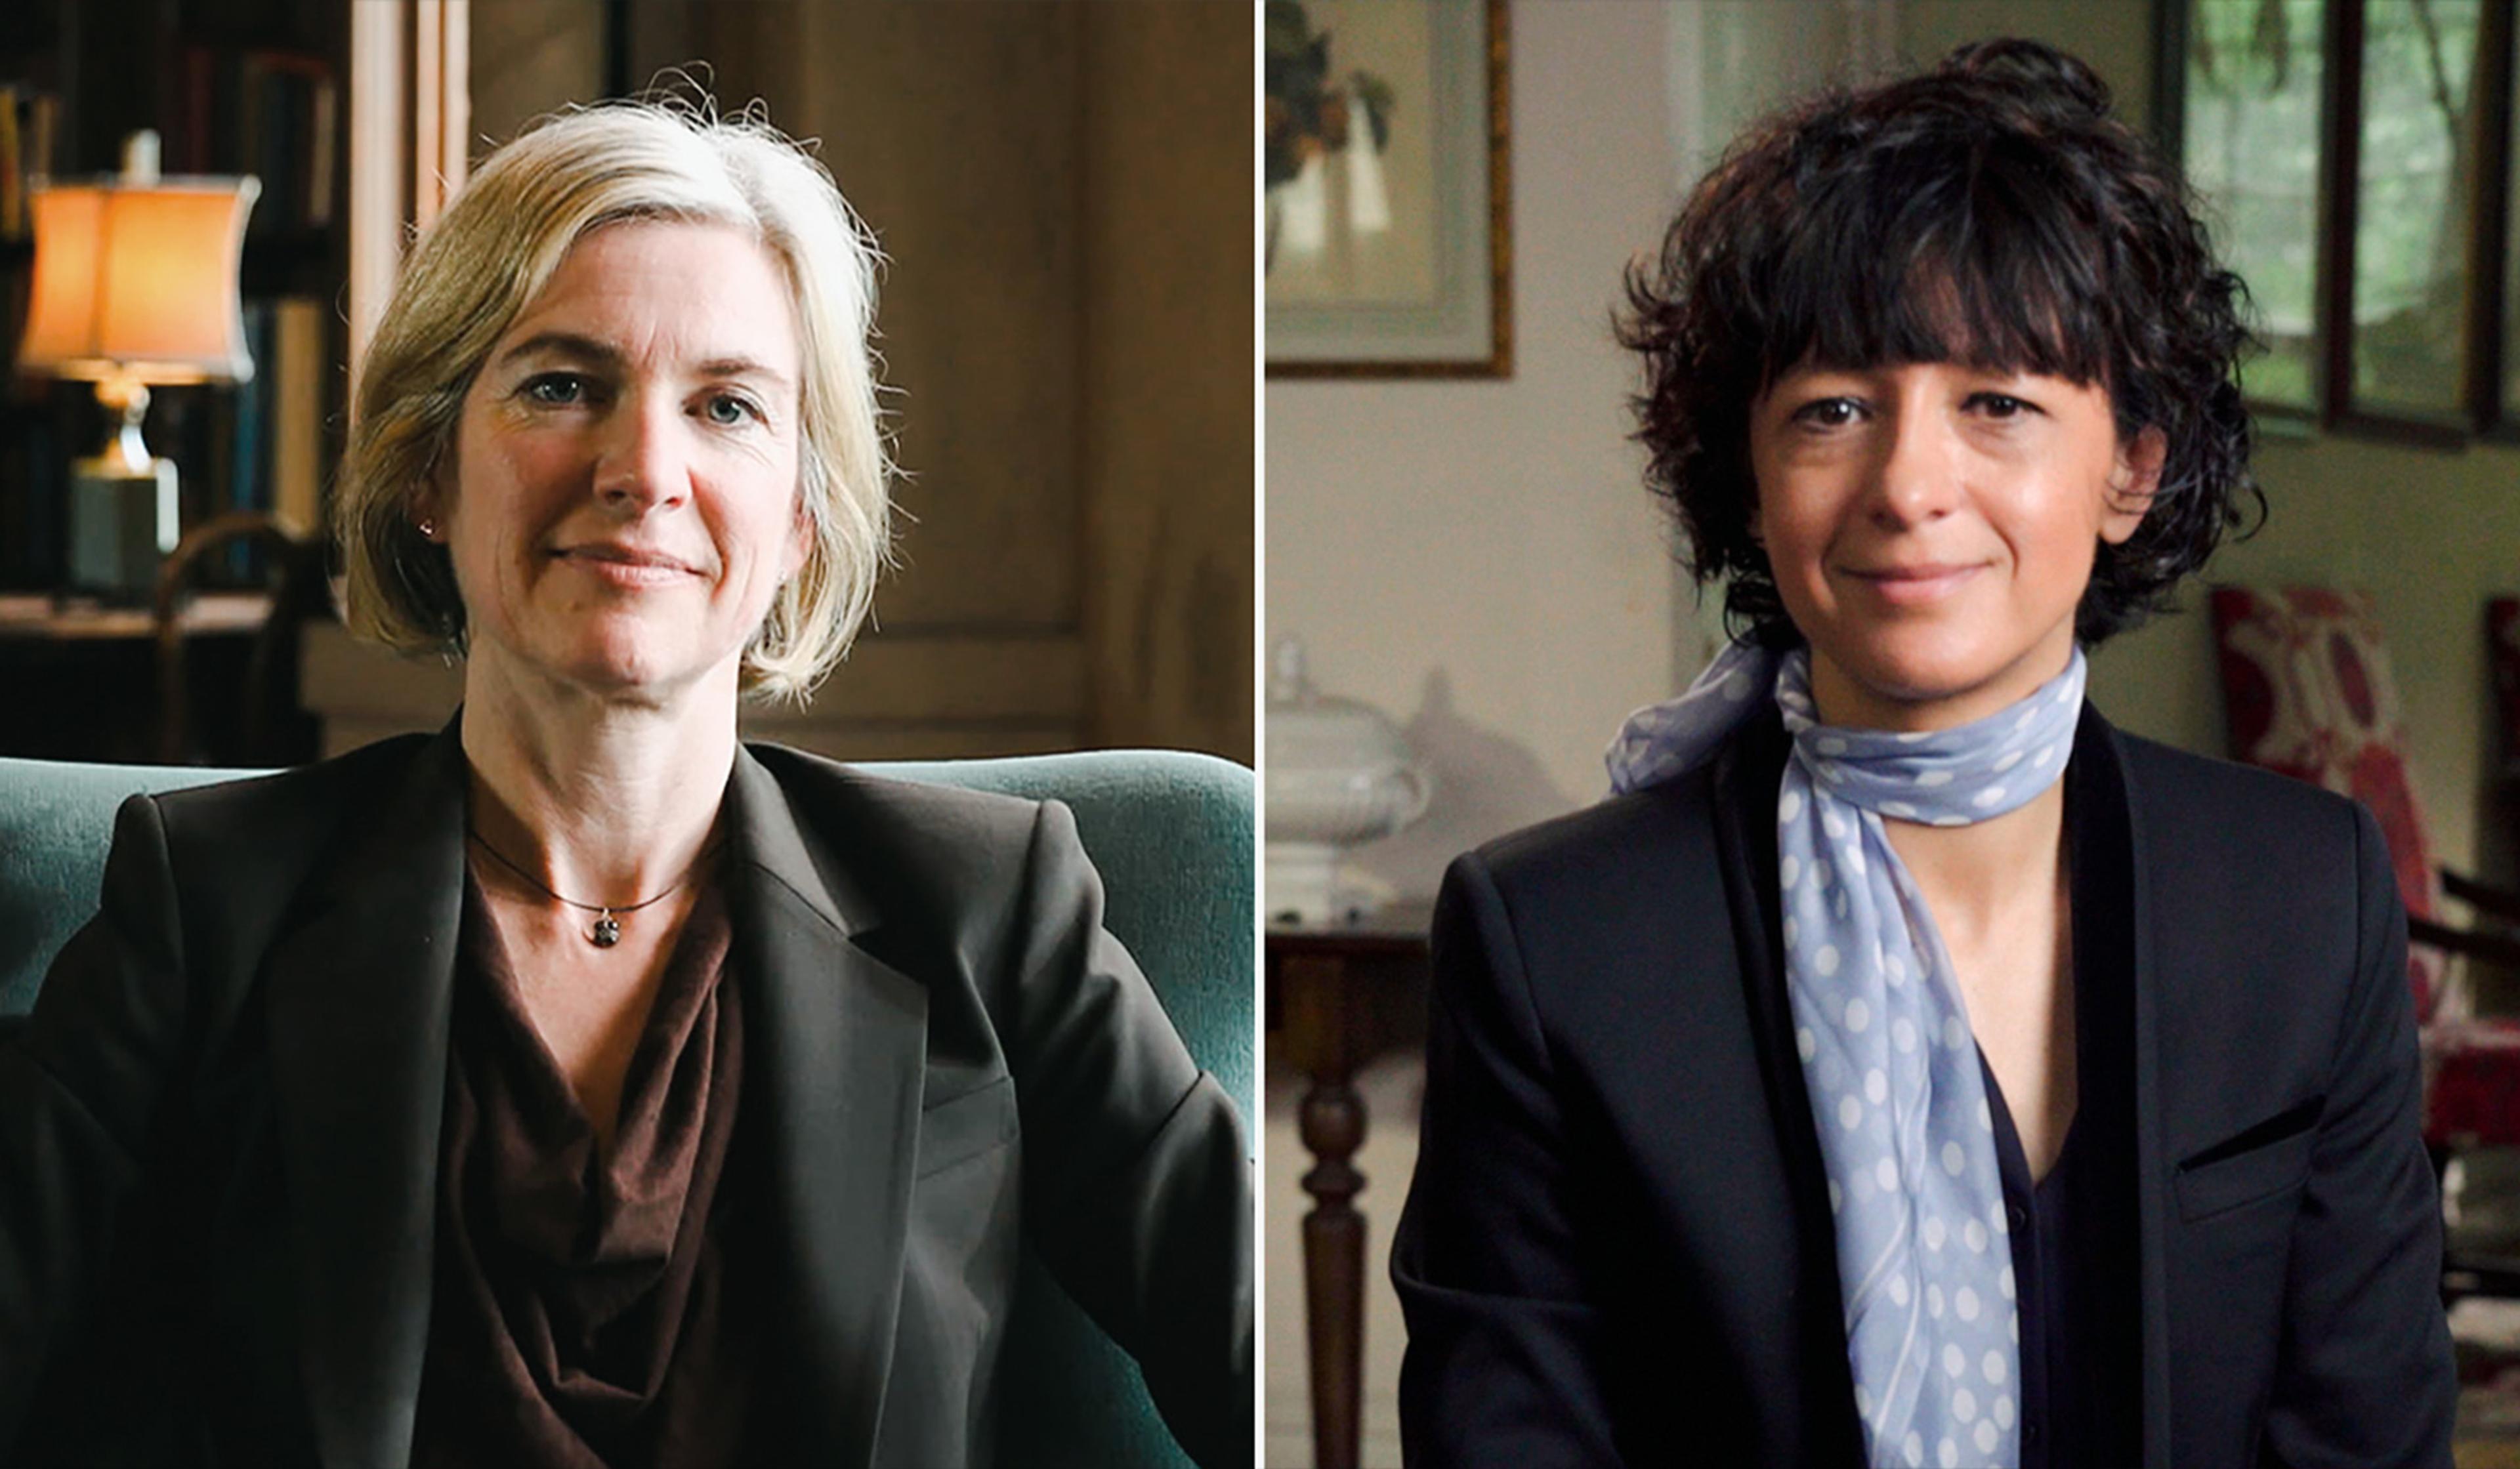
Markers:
point(1905, 1066)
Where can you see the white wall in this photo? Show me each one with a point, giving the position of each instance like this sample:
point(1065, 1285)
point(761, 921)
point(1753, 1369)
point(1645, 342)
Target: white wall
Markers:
point(1477, 558)
point(1480, 559)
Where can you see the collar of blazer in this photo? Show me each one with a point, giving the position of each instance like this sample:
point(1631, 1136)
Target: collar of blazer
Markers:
point(1744, 774)
point(358, 1003)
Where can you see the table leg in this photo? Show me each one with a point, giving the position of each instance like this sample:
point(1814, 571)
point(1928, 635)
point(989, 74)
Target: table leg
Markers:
point(1319, 1013)
point(1333, 1121)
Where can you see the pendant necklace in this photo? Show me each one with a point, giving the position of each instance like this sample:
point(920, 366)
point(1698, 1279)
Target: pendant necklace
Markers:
point(607, 930)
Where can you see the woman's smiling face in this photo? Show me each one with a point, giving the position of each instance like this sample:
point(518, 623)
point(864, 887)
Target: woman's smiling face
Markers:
point(623, 501)
point(1932, 527)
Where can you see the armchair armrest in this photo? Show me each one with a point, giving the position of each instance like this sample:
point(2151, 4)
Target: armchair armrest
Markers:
point(2493, 948)
point(2497, 902)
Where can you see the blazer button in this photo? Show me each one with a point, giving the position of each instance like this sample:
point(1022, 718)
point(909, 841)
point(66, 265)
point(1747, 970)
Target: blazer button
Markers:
point(2016, 1214)
point(2030, 1433)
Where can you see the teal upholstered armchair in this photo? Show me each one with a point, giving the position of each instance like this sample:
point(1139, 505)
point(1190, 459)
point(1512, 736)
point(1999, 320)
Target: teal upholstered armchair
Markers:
point(1172, 836)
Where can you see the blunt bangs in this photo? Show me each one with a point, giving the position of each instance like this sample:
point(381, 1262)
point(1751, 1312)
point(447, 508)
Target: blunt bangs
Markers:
point(1934, 259)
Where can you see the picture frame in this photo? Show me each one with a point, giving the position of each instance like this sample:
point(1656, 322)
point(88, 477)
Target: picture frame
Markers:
point(1386, 200)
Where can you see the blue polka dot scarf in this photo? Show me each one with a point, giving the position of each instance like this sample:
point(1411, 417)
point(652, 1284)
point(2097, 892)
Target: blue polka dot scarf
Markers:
point(1887, 1053)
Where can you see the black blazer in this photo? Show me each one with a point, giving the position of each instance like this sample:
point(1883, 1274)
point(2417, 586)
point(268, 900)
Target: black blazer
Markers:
point(1618, 1249)
point(218, 1130)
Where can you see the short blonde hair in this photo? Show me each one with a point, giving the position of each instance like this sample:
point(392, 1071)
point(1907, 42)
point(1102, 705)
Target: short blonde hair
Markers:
point(495, 249)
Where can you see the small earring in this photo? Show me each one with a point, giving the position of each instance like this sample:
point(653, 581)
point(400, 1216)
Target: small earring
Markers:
point(429, 530)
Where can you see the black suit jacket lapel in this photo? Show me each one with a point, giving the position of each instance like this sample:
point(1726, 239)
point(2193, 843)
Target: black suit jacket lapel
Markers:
point(837, 1048)
point(2097, 743)
point(358, 997)
point(1745, 780)
point(1747, 772)
point(359, 992)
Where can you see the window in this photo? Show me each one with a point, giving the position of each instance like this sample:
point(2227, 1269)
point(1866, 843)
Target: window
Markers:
point(2353, 156)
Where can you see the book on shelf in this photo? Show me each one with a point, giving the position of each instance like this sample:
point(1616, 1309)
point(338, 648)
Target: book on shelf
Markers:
point(270, 112)
point(14, 222)
point(250, 452)
point(265, 450)
point(29, 119)
point(296, 398)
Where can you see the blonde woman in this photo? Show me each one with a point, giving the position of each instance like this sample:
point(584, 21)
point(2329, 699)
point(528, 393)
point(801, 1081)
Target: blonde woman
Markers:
point(581, 1085)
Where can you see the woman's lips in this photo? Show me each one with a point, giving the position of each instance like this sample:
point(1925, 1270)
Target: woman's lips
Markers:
point(624, 567)
point(1915, 586)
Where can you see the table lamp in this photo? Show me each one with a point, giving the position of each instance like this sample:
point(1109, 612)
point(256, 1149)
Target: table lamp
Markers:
point(135, 282)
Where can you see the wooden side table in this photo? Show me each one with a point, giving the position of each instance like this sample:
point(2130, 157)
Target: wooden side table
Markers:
point(1338, 997)
point(82, 683)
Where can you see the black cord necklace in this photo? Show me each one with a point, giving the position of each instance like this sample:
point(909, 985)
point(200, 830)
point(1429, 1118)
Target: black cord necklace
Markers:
point(607, 931)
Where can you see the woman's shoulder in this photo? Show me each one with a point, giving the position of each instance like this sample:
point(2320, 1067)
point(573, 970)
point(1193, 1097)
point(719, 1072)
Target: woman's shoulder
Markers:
point(912, 843)
point(310, 802)
point(1611, 829)
point(895, 808)
point(2214, 839)
point(2201, 798)
point(1626, 853)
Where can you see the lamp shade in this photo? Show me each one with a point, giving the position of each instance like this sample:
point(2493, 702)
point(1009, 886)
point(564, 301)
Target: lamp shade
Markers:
point(139, 281)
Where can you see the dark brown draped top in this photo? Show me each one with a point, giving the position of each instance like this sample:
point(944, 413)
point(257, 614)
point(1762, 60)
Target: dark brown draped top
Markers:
point(581, 1315)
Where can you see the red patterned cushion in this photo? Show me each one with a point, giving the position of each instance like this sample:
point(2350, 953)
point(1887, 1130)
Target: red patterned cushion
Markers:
point(2472, 1083)
point(2308, 693)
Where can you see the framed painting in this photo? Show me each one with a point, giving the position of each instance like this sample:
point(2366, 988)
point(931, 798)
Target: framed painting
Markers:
point(1385, 206)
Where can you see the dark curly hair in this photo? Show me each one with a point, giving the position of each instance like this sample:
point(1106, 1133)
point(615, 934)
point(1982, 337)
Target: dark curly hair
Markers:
point(1990, 212)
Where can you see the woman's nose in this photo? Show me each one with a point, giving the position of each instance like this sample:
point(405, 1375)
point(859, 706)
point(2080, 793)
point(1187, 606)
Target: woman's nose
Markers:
point(642, 465)
point(1917, 477)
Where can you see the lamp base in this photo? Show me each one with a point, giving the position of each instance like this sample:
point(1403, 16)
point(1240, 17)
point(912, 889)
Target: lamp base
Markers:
point(125, 520)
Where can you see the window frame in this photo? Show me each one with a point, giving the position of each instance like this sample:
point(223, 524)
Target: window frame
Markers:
point(2482, 413)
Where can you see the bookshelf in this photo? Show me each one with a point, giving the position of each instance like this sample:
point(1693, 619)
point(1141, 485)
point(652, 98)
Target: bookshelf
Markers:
point(230, 86)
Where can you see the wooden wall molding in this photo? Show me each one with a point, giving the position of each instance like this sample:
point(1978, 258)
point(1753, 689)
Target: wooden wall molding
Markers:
point(410, 109)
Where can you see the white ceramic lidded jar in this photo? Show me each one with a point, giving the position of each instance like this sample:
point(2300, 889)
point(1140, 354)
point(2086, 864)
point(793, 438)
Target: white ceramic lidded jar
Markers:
point(1339, 775)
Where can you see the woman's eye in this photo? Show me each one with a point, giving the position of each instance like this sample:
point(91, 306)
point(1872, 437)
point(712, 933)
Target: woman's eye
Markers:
point(728, 411)
point(2001, 405)
point(1828, 412)
point(555, 389)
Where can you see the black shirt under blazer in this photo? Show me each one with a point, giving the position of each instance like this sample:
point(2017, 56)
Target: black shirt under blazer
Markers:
point(219, 1128)
point(1617, 1248)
